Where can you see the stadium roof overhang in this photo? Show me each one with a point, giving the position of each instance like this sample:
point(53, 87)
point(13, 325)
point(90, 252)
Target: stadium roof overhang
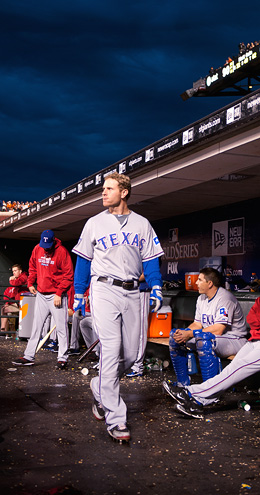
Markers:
point(211, 163)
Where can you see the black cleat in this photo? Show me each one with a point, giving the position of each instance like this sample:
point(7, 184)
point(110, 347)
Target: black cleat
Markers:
point(186, 404)
point(23, 362)
point(191, 409)
point(73, 352)
point(98, 411)
point(61, 365)
point(120, 433)
point(179, 394)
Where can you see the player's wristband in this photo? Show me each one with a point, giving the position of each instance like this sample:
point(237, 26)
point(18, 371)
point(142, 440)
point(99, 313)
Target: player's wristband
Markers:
point(196, 332)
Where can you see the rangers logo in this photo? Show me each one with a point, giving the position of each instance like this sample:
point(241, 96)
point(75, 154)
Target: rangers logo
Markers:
point(223, 312)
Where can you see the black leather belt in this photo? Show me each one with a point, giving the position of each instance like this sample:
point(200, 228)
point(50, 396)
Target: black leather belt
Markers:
point(125, 284)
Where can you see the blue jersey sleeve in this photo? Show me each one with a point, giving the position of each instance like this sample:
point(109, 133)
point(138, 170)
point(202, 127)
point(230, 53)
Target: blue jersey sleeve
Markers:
point(152, 272)
point(81, 275)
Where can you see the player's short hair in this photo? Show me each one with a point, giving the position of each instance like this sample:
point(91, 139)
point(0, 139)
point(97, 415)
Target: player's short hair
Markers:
point(17, 266)
point(124, 182)
point(213, 275)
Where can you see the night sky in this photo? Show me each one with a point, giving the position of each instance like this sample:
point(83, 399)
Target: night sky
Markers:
point(85, 84)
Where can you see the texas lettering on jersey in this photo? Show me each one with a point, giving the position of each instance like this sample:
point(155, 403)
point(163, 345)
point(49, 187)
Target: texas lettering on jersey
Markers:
point(208, 320)
point(123, 238)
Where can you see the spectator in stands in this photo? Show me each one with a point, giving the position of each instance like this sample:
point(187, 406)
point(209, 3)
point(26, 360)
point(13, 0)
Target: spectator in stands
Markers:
point(18, 282)
point(50, 264)
point(218, 330)
point(13, 206)
point(242, 48)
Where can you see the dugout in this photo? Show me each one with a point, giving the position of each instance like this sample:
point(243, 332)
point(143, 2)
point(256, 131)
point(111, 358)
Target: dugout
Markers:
point(199, 187)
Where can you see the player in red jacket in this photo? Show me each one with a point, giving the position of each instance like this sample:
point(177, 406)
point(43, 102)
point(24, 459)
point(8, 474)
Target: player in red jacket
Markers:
point(18, 282)
point(51, 266)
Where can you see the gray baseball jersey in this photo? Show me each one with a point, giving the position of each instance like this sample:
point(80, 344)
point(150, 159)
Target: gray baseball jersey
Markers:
point(119, 249)
point(222, 308)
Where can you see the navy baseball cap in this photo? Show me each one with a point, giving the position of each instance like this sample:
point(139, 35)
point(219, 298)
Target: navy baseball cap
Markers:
point(47, 239)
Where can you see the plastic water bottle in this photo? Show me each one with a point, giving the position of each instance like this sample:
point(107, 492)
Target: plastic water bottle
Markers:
point(243, 404)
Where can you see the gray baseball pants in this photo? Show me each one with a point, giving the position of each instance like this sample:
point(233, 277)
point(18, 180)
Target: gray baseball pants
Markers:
point(138, 365)
point(245, 363)
point(88, 333)
point(116, 320)
point(43, 307)
point(83, 324)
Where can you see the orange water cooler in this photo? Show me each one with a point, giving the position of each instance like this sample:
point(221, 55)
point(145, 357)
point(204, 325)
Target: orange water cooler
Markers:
point(160, 323)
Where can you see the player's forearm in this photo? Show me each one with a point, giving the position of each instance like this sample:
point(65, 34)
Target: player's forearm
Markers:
point(152, 272)
point(193, 326)
point(217, 329)
point(81, 275)
point(16, 282)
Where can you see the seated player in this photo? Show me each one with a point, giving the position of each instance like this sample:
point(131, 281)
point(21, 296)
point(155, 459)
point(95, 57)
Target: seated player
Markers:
point(218, 330)
point(191, 399)
point(82, 323)
point(18, 283)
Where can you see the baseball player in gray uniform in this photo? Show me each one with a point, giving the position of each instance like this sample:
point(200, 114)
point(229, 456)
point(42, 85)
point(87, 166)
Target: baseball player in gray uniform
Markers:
point(138, 366)
point(191, 399)
point(114, 248)
point(219, 329)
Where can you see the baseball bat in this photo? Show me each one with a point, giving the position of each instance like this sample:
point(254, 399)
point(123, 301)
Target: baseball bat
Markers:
point(88, 351)
point(45, 338)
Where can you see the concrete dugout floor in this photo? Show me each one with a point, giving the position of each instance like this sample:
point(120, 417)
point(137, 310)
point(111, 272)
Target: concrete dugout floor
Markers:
point(51, 443)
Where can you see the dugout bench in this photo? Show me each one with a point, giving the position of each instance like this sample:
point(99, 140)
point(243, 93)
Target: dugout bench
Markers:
point(183, 305)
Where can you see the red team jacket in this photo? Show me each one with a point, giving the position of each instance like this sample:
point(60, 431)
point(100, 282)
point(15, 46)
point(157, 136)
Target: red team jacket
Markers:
point(53, 272)
point(18, 285)
point(253, 319)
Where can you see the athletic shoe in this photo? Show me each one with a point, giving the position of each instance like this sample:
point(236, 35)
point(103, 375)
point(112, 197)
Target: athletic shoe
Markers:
point(180, 394)
point(120, 433)
point(23, 362)
point(61, 365)
point(50, 345)
point(186, 404)
point(55, 348)
point(73, 352)
point(98, 411)
point(133, 374)
point(191, 408)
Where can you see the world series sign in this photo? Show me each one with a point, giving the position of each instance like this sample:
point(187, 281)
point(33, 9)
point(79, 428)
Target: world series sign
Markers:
point(228, 237)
